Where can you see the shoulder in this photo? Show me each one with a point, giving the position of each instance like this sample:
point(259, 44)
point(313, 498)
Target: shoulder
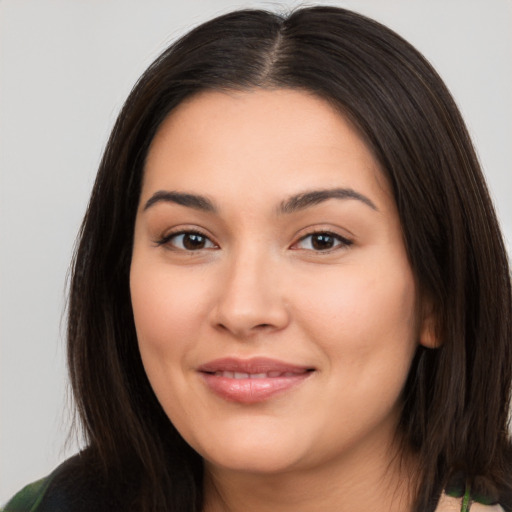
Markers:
point(72, 486)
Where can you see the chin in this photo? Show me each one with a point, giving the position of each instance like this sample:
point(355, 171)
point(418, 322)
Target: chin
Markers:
point(266, 464)
point(264, 455)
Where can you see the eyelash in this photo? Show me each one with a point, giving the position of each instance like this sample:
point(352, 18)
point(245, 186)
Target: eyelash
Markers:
point(342, 242)
point(165, 240)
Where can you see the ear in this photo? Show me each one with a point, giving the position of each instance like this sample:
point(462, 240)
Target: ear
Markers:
point(428, 328)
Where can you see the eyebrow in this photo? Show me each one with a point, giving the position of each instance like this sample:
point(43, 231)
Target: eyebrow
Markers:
point(194, 201)
point(293, 204)
point(313, 197)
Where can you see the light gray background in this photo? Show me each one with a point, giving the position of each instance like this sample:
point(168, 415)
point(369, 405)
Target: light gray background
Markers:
point(65, 68)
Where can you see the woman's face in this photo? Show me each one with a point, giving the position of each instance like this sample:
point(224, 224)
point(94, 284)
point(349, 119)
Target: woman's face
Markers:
point(273, 299)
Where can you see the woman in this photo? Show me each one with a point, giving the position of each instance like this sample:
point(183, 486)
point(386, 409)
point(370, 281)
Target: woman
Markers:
point(290, 291)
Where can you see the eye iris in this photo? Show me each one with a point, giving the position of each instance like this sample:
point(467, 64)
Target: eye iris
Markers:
point(322, 241)
point(193, 241)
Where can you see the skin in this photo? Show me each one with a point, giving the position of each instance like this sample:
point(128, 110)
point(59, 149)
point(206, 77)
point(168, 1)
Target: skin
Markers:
point(259, 286)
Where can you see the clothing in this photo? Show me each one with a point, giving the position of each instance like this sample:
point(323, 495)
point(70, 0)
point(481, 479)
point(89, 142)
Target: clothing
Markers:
point(71, 487)
point(59, 493)
point(451, 504)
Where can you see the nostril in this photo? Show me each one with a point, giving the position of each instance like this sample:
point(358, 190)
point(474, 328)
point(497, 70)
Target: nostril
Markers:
point(244, 318)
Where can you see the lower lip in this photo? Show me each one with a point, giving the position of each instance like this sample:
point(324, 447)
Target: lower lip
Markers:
point(251, 391)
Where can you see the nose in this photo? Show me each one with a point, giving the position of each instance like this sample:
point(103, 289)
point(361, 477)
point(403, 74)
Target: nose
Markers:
point(250, 299)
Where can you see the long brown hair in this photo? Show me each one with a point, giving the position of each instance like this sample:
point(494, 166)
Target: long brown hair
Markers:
point(455, 403)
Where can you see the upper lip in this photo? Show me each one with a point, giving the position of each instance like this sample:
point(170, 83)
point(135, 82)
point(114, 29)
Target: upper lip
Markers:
point(254, 365)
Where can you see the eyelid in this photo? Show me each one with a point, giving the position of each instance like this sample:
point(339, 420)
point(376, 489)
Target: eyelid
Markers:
point(344, 242)
point(166, 239)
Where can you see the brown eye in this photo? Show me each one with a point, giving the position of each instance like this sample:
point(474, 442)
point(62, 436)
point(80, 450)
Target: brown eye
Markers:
point(323, 241)
point(193, 241)
point(188, 241)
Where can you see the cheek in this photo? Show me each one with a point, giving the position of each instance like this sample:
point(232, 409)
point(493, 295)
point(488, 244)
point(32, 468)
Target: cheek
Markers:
point(167, 312)
point(363, 318)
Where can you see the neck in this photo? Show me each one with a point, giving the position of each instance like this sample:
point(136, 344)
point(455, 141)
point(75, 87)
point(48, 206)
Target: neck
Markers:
point(377, 480)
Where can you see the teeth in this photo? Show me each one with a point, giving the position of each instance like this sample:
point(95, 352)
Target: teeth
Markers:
point(243, 375)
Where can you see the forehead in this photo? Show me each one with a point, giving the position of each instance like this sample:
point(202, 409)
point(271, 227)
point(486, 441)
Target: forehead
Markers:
point(281, 138)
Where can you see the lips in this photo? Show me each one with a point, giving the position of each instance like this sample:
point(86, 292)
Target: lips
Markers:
point(252, 380)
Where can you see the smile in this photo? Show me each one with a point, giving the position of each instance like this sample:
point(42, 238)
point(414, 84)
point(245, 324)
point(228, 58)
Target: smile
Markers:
point(242, 375)
point(251, 381)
